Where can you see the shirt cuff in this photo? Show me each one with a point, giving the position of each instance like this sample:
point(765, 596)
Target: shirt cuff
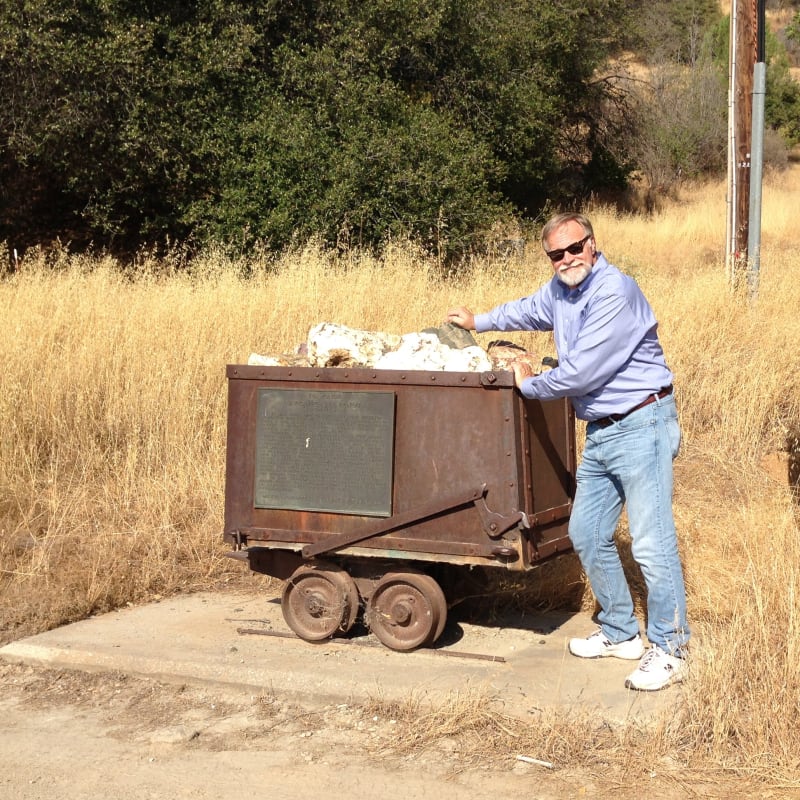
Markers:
point(528, 388)
point(483, 323)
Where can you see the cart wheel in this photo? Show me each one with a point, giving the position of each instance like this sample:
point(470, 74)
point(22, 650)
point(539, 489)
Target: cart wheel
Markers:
point(407, 610)
point(318, 600)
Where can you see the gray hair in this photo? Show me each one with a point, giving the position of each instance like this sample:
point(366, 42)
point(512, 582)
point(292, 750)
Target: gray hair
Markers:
point(554, 223)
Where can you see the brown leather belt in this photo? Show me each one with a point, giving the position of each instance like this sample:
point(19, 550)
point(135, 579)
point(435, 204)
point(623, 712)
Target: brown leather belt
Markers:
point(604, 422)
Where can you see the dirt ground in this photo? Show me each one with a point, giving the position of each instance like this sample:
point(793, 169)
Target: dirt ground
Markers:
point(77, 735)
point(70, 735)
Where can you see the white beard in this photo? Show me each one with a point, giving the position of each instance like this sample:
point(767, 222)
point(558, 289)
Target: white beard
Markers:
point(574, 276)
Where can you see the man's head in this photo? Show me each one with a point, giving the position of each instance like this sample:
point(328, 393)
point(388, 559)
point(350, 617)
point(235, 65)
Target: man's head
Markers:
point(568, 241)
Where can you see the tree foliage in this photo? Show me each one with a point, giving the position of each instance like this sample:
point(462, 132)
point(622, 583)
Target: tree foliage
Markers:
point(672, 31)
point(126, 122)
point(782, 97)
point(677, 116)
point(677, 126)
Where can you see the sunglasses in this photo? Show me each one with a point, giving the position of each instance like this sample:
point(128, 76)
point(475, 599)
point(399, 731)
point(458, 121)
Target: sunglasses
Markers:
point(573, 249)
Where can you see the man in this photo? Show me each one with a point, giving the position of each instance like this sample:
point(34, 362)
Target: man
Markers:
point(612, 367)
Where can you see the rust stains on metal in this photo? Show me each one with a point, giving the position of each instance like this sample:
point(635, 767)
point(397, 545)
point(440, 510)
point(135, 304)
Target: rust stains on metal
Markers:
point(471, 474)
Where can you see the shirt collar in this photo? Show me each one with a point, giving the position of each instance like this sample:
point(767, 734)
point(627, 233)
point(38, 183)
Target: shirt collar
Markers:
point(577, 291)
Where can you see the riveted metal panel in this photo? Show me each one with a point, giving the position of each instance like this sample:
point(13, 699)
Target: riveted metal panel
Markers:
point(468, 451)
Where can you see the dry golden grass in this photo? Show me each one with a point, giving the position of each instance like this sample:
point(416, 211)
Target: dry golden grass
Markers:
point(113, 433)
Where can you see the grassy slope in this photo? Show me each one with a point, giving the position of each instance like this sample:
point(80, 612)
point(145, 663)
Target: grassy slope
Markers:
point(113, 423)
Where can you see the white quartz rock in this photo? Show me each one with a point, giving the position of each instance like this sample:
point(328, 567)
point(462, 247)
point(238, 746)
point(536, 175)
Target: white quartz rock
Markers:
point(468, 359)
point(424, 351)
point(257, 360)
point(332, 345)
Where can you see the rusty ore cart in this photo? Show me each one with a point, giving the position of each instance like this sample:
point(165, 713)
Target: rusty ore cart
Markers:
point(357, 486)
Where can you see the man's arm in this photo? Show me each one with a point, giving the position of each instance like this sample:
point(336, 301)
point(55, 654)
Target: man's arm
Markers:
point(464, 318)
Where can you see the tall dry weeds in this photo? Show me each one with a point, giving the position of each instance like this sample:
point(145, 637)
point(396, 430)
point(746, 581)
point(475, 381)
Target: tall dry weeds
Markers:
point(112, 414)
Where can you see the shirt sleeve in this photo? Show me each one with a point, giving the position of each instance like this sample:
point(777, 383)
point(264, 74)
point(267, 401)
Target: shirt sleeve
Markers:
point(532, 313)
point(608, 335)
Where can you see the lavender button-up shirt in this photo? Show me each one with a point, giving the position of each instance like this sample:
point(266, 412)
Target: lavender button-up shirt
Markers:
point(609, 356)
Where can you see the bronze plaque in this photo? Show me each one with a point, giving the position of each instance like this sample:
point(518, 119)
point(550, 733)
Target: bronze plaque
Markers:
point(319, 450)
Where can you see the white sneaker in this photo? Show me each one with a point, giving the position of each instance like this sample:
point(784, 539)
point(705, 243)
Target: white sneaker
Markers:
point(656, 670)
point(598, 646)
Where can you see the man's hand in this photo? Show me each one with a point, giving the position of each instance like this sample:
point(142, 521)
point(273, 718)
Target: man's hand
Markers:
point(462, 317)
point(522, 370)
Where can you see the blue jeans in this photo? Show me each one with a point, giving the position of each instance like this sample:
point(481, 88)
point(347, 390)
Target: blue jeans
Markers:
point(630, 462)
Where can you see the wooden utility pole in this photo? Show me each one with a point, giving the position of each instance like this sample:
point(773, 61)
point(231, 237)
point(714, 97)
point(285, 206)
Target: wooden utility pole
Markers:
point(743, 59)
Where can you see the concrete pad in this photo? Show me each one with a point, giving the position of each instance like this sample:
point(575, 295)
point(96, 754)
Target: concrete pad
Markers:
point(208, 638)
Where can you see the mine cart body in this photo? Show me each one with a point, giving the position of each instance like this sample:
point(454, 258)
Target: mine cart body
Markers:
point(354, 484)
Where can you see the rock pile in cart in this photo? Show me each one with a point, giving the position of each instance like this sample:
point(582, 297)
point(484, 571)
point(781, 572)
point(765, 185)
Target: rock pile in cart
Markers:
point(448, 348)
